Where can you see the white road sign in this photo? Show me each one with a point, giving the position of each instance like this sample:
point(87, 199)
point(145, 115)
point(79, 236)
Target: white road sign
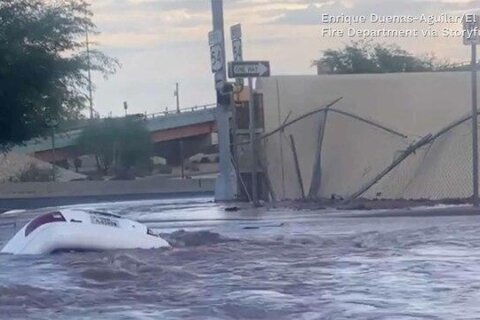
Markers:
point(216, 56)
point(249, 69)
point(216, 51)
point(236, 32)
point(237, 50)
point(237, 46)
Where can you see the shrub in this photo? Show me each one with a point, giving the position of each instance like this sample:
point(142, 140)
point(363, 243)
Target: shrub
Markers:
point(33, 173)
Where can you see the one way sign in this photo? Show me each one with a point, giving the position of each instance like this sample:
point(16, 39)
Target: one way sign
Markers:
point(249, 69)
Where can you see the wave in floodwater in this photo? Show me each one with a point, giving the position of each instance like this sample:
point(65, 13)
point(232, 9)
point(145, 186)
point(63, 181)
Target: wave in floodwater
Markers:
point(323, 268)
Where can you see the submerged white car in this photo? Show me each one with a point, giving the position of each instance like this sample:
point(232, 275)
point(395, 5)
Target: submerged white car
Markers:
point(68, 230)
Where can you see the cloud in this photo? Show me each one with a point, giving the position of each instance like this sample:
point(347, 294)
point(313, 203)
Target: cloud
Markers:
point(160, 42)
point(114, 6)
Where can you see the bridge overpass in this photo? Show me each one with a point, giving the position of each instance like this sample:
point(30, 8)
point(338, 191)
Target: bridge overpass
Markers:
point(193, 125)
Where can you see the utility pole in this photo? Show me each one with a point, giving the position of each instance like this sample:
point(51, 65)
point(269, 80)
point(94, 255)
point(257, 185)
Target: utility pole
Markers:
point(224, 189)
point(90, 90)
point(177, 94)
point(125, 106)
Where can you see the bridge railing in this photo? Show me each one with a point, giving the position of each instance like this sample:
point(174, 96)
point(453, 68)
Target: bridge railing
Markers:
point(167, 112)
point(73, 132)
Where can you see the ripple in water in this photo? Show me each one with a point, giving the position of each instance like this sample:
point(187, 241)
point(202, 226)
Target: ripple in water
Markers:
point(317, 269)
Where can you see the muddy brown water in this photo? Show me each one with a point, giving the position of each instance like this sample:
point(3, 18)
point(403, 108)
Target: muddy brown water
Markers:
point(276, 264)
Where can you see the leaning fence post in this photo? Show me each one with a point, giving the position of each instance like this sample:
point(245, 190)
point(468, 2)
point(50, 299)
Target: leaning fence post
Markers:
point(297, 166)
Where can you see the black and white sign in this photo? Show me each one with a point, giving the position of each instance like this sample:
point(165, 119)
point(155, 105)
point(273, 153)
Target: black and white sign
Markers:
point(216, 51)
point(237, 46)
point(236, 32)
point(216, 57)
point(471, 29)
point(237, 50)
point(249, 69)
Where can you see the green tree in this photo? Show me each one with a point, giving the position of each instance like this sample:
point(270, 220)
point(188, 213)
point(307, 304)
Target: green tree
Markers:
point(367, 57)
point(43, 65)
point(120, 144)
point(97, 139)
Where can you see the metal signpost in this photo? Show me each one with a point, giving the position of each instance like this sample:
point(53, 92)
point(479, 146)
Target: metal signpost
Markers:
point(253, 148)
point(250, 70)
point(224, 189)
point(237, 47)
point(471, 25)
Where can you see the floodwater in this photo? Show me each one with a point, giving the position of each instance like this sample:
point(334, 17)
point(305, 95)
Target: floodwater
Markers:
point(276, 264)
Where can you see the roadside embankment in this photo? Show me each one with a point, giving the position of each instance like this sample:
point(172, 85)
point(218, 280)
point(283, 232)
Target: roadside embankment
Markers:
point(35, 195)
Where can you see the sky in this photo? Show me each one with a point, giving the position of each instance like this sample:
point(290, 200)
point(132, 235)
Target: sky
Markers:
point(161, 42)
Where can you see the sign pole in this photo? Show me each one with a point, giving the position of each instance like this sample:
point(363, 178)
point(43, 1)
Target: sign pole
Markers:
point(253, 136)
point(236, 36)
point(476, 201)
point(224, 190)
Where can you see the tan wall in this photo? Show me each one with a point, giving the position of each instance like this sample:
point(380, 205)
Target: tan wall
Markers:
point(353, 153)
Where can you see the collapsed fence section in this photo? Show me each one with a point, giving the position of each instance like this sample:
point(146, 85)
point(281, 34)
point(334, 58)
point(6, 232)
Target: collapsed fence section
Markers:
point(332, 151)
point(355, 158)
